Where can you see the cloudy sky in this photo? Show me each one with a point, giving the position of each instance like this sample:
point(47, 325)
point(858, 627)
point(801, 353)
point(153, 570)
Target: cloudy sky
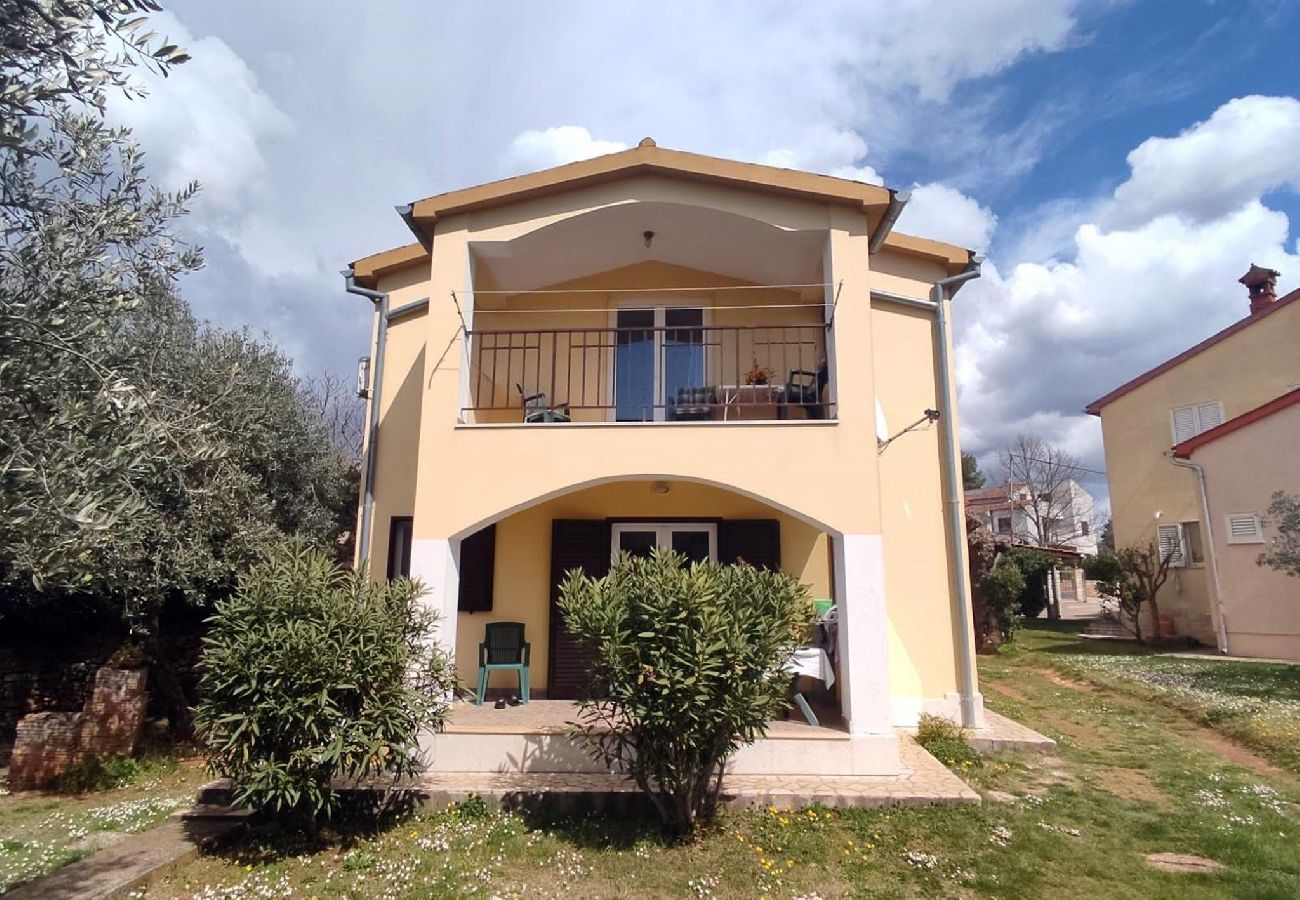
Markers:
point(1121, 163)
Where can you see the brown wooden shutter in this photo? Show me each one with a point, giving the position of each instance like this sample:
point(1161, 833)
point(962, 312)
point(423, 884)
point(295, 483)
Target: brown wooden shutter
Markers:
point(399, 547)
point(756, 541)
point(575, 544)
point(478, 555)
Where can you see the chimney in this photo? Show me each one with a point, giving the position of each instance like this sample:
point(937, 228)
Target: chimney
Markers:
point(1261, 284)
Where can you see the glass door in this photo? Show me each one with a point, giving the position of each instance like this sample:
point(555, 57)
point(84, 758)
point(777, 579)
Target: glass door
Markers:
point(658, 353)
point(635, 366)
point(697, 541)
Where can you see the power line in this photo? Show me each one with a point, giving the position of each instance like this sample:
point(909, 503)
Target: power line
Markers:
point(1056, 462)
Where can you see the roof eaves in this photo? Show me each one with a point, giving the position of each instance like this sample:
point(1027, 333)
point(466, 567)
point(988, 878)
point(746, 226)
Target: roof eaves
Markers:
point(1094, 408)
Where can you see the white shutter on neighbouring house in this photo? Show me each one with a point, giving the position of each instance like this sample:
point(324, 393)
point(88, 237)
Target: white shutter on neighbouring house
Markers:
point(1184, 423)
point(1245, 528)
point(1189, 421)
point(1170, 539)
point(1209, 415)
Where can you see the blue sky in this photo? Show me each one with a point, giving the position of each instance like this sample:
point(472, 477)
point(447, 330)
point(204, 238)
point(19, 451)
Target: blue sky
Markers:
point(1121, 161)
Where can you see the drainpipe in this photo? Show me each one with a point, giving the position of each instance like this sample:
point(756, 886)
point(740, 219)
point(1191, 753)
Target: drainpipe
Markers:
point(1221, 619)
point(972, 712)
point(897, 200)
point(380, 301)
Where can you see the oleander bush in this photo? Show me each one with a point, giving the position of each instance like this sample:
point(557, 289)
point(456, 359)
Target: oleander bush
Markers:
point(688, 664)
point(315, 676)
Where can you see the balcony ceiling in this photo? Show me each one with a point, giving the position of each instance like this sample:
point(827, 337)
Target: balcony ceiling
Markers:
point(696, 237)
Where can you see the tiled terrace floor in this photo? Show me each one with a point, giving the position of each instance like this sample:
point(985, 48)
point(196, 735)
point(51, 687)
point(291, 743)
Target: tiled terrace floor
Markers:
point(924, 781)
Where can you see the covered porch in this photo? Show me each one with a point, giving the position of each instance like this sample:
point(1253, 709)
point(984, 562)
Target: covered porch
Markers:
point(509, 571)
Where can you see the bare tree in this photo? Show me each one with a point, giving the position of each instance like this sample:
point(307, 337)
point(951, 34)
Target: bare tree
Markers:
point(1040, 475)
point(341, 412)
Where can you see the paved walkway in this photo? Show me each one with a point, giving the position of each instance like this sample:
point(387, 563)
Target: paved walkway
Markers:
point(129, 863)
point(1001, 733)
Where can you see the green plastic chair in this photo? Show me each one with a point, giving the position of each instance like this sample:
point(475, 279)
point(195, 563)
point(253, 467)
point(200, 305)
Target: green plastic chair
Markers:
point(503, 647)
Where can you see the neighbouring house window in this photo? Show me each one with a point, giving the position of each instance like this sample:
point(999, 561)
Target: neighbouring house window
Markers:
point(478, 557)
point(1245, 528)
point(1189, 421)
point(399, 547)
point(1004, 525)
point(1084, 527)
point(1192, 545)
point(1170, 540)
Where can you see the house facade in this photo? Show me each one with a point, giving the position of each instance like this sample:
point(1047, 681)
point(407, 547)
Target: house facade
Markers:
point(1011, 513)
point(1244, 462)
point(1157, 495)
point(659, 349)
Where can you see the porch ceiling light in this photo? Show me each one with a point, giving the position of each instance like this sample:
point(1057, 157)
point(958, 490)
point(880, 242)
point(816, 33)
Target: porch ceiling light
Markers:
point(649, 237)
point(660, 487)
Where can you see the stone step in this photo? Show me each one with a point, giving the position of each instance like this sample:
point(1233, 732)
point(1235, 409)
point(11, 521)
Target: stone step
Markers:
point(213, 811)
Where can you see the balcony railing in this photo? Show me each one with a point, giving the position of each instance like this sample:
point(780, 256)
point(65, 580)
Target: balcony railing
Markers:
point(695, 373)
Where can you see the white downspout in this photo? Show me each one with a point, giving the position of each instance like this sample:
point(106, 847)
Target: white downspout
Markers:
point(1221, 617)
point(972, 707)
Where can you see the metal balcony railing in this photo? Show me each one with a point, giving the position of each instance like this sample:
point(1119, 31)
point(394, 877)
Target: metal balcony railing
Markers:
point(673, 373)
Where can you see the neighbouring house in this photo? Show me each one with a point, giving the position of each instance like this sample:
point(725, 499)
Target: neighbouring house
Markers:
point(1242, 463)
point(1194, 449)
point(1061, 525)
point(654, 348)
point(1011, 512)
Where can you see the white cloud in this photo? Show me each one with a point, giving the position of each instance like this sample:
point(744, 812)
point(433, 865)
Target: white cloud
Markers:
point(945, 214)
point(207, 121)
point(832, 151)
point(541, 149)
point(1039, 343)
point(1245, 149)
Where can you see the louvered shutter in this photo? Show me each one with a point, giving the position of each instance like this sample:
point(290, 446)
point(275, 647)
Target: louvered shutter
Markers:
point(1208, 415)
point(575, 544)
point(1171, 544)
point(1244, 528)
point(1184, 418)
point(478, 554)
point(755, 541)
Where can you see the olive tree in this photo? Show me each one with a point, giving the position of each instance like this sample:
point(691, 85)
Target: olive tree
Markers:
point(688, 665)
point(1283, 552)
point(1134, 577)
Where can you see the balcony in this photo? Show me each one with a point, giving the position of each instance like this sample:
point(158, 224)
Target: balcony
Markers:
point(653, 365)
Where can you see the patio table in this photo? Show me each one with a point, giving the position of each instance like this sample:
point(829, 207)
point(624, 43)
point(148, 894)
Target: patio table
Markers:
point(815, 663)
point(752, 394)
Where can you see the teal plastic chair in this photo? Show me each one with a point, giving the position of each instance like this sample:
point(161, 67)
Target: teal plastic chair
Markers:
point(503, 647)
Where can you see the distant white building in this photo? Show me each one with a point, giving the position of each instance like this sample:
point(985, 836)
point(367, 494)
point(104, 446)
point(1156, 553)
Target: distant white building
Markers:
point(1010, 512)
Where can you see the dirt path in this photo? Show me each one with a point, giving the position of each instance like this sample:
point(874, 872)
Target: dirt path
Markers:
point(1203, 736)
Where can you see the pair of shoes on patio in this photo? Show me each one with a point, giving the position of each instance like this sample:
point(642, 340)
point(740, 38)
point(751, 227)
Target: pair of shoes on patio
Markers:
point(513, 701)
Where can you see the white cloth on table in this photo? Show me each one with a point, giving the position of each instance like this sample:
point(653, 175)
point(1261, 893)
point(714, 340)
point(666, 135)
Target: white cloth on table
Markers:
point(813, 662)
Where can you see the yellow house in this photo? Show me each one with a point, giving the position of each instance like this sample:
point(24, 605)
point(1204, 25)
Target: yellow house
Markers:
point(1160, 495)
point(657, 348)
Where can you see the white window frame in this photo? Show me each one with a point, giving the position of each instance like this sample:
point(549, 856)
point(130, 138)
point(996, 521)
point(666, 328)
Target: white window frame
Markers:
point(1179, 560)
point(1256, 538)
point(1199, 426)
point(659, 306)
point(663, 534)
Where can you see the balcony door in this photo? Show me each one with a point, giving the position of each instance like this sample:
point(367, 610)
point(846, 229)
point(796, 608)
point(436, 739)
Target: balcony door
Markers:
point(697, 541)
point(658, 351)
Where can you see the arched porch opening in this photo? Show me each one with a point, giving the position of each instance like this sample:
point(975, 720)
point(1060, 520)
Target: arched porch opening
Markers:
point(506, 567)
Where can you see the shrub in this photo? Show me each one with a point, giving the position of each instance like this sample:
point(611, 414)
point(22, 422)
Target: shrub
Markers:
point(946, 741)
point(1035, 566)
point(313, 674)
point(687, 667)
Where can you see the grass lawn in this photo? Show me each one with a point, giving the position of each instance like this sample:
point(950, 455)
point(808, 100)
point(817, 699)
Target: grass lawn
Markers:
point(40, 832)
point(1138, 771)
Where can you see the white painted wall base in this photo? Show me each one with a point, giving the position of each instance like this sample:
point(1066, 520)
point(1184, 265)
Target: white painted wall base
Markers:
point(538, 752)
point(907, 710)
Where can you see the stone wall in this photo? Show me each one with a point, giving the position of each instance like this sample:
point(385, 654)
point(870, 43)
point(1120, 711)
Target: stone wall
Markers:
point(42, 673)
point(48, 744)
